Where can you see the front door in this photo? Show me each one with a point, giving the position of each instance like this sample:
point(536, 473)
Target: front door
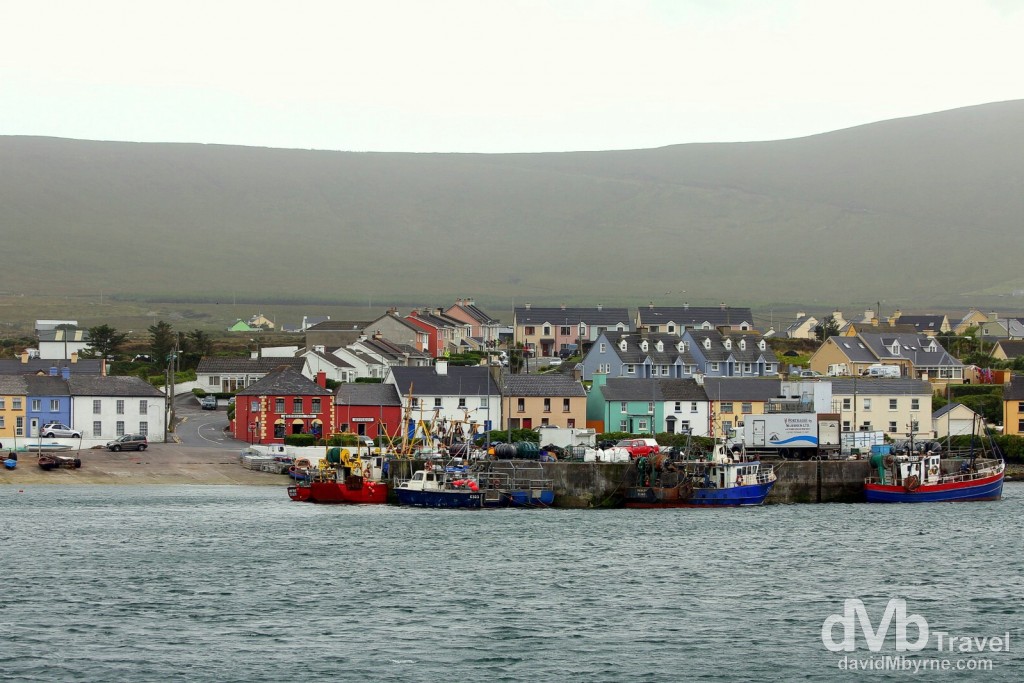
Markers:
point(33, 426)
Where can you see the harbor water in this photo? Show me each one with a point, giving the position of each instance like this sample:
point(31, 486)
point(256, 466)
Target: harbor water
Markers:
point(207, 583)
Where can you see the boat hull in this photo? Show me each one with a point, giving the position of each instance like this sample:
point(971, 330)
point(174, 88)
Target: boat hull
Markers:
point(736, 496)
point(331, 492)
point(988, 488)
point(440, 499)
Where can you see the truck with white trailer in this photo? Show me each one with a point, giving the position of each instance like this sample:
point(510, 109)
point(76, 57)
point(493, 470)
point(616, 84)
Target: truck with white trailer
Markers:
point(793, 434)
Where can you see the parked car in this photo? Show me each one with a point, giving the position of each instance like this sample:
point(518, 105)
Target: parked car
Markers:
point(208, 403)
point(129, 442)
point(555, 362)
point(58, 429)
point(810, 373)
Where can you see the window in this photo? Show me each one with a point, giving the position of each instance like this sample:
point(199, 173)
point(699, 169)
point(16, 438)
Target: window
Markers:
point(382, 428)
point(214, 380)
point(623, 407)
point(630, 369)
point(547, 405)
point(2, 425)
point(547, 330)
point(846, 425)
point(144, 428)
point(726, 406)
point(670, 328)
point(529, 330)
point(623, 426)
point(297, 404)
point(16, 404)
point(254, 406)
point(727, 427)
point(570, 423)
point(565, 405)
point(892, 403)
point(684, 427)
point(655, 328)
point(120, 407)
point(483, 402)
point(415, 402)
point(915, 404)
point(693, 406)
point(641, 425)
point(650, 407)
point(847, 404)
point(3, 400)
point(316, 405)
point(747, 408)
point(714, 367)
point(892, 427)
point(462, 403)
point(866, 426)
point(565, 331)
point(746, 367)
point(278, 405)
point(521, 405)
point(119, 430)
point(437, 402)
point(19, 426)
point(602, 347)
point(678, 408)
point(543, 422)
point(37, 404)
point(96, 407)
point(97, 428)
point(143, 407)
point(1020, 426)
point(867, 404)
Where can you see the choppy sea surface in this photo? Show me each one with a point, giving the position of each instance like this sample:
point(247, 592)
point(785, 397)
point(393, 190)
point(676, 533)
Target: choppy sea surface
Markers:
point(205, 583)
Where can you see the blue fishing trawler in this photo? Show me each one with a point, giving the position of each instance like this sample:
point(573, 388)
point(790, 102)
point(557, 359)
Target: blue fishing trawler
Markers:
point(722, 478)
point(921, 478)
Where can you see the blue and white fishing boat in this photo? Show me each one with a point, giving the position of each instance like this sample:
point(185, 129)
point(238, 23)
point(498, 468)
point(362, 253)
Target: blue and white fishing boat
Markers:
point(448, 487)
point(921, 478)
point(722, 478)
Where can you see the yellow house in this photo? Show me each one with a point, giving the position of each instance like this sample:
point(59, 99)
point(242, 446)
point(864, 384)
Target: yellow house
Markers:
point(734, 399)
point(1013, 406)
point(555, 399)
point(974, 318)
point(13, 390)
point(261, 321)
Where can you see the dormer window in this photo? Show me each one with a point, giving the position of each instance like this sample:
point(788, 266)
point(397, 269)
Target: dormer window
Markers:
point(643, 345)
point(895, 348)
point(622, 345)
point(743, 344)
point(728, 344)
point(680, 346)
point(761, 345)
point(707, 343)
point(660, 346)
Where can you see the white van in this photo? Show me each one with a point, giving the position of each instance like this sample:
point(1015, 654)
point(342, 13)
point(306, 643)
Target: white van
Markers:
point(838, 370)
point(883, 371)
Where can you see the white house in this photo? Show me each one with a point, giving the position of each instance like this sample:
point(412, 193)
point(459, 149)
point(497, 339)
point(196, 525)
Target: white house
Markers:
point(448, 393)
point(104, 408)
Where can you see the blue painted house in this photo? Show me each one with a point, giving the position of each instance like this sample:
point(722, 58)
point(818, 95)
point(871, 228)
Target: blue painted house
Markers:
point(48, 399)
point(730, 355)
point(639, 356)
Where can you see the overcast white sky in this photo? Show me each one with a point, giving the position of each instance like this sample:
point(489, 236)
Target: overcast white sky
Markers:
point(494, 76)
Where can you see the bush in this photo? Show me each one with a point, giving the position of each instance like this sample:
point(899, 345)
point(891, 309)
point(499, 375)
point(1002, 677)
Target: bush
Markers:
point(300, 440)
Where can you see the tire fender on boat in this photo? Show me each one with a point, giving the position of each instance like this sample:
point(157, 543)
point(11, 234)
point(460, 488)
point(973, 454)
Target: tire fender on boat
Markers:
point(911, 483)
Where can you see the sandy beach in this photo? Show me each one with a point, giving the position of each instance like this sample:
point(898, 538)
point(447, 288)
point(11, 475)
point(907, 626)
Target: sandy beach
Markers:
point(159, 464)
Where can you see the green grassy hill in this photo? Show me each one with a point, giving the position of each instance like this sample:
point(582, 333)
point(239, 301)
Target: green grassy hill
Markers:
point(922, 210)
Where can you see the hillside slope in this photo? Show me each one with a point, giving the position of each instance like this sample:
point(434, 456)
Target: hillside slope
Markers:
point(920, 209)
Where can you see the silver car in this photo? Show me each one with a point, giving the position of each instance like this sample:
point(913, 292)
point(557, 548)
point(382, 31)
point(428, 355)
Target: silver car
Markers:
point(58, 429)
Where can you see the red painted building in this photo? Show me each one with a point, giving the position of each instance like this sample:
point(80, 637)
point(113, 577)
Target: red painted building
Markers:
point(283, 402)
point(368, 410)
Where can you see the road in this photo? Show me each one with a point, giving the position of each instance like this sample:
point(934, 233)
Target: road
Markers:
point(198, 428)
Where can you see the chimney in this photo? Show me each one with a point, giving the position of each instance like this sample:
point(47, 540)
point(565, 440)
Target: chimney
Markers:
point(527, 305)
point(65, 372)
point(441, 366)
point(321, 379)
point(686, 305)
point(800, 314)
point(392, 311)
point(650, 306)
point(563, 307)
point(993, 317)
point(377, 334)
point(721, 306)
point(600, 307)
point(74, 356)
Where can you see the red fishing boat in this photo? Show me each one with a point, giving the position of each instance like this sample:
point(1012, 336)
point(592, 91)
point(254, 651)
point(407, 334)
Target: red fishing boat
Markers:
point(343, 478)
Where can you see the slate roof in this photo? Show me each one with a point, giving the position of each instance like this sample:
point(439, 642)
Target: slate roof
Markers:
point(923, 323)
point(635, 355)
point(1014, 391)
point(550, 384)
point(336, 361)
point(474, 312)
point(90, 385)
point(912, 347)
point(602, 317)
point(855, 349)
point(389, 349)
point(367, 395)
point(471, 380)
point(905, 386)
point(694, 316)
point(284, 382)
point(44, 385)
point(742, 388)
point(72, 335)
point(630, 389)
point(84, 366)
point(248, 365)
point(339, 326)
point(800, 321)
point(13, 385)
point(718, 352)
point(1013, 348)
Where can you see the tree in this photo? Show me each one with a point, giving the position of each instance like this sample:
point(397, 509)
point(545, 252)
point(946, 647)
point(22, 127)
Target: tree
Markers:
point(828, 327)
point(162, 342)
point(201, 343)
point(105, 341)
